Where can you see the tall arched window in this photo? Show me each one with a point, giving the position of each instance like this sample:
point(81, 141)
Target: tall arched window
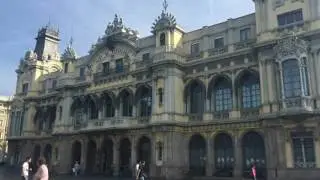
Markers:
point(196, 98)
point(222, 95)
point(250, 91)
point(305, 76)
point(291, 78)
point(162, 39)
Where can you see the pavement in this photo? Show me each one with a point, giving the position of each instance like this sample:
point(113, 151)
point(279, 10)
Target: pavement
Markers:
point(14, 174)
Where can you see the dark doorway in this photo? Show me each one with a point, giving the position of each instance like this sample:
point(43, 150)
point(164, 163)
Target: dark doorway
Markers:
point(76, 152)
point(253, 150)
point(91, 157)
point(107, 157)
point(48, 153)
point(224, 155)
point(197, 155)
point(125, 158)
point(36, 155)
point(144, 151)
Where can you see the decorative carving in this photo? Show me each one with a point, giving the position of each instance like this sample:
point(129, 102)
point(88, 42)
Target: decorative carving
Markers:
point(290, 45)
point(69, 52)
point(164, 21)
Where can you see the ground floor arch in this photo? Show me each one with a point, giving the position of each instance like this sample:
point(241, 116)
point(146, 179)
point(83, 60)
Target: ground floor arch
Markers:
point(76, 152)
point(144, 151)
point(223, 155)
point(253, 153)
point(125, 158)
point(107, 157)
point(197, 155)
point(91, 157)
point(48, 153)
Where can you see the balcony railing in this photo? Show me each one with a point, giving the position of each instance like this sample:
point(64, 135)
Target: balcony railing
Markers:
point(250, 112)
point(111, 73)
point(218, 51)
point(244, 44)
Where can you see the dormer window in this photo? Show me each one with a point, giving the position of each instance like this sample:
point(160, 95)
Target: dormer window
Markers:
point(119, 65)
point(105, 67)
point(82, 71)
point(25, 88)
point(162, 39)
point(66, 67)
point(195, 49)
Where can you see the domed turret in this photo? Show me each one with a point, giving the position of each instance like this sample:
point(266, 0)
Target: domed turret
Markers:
point(164, 21)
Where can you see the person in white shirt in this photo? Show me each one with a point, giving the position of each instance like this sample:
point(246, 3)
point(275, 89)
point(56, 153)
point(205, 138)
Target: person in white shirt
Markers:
point(25, 169)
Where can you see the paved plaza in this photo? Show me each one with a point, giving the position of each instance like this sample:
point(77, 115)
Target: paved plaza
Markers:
point(6, 173)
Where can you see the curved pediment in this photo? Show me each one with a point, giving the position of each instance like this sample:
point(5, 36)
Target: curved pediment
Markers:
point(120, 51)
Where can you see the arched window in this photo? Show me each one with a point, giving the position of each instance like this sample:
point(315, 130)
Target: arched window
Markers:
point(291, 78)
point(126, 103)
point(145, 101)
point(250, 91)
point(222, 95)
point(162, 39)
point(196, 98)
point(108, 107)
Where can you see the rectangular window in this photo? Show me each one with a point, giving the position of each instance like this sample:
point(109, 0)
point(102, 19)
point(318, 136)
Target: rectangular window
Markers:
point(303, 149)
point(82, 71)
point(54, 84)
point(219, 43)
point(195, 49)
point(119, 65)
point(290, 18)
point(25, 88)
point(245, 34)
point(106, 67)
point(146, 56)
point(66, 67)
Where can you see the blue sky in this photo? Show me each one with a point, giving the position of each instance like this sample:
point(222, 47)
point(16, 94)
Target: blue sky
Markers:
point(85, 20)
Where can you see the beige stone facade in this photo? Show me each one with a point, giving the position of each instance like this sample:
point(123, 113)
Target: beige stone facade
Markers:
point(211, 102)
point(5, 104)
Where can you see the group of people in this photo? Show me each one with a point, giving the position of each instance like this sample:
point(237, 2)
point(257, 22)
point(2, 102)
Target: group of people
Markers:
point(42, 172)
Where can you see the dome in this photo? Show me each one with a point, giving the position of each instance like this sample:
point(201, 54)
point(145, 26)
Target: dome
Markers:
point(164, 21)
point(69, 52)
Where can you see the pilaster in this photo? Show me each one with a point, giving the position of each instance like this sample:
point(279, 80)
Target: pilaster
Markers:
point(238, 156)
point(116, 158)
point(210, 158)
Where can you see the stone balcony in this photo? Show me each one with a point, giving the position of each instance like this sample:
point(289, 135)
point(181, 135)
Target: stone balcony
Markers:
point(112, 123)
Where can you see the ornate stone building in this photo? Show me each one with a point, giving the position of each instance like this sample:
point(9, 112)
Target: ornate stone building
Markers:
point(210, 102)
point(5, 103)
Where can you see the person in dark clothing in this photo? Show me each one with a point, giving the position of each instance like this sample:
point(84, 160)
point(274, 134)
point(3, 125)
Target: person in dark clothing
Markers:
point(141, 173)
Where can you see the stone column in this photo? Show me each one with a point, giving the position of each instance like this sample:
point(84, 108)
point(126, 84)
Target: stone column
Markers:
point(84, 149)
point(210, 157)
point(116, 158)
point(133, 155)
point(238, 156)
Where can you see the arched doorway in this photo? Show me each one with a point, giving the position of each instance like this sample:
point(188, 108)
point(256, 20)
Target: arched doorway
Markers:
point(197, 156)
point(107, 157)
point(253, 150)
point(76, 152)
point(125, 158)
point(48, 153)
point(91, 157)
point(144, 151)
point(36, 155)
point(223, 155)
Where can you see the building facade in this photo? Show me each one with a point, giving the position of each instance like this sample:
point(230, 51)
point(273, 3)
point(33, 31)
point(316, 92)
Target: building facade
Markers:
point(206, 103)
point(5, 103)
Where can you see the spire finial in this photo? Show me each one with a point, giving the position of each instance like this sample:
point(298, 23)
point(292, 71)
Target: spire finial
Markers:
point(71, 41)
point(165, 5)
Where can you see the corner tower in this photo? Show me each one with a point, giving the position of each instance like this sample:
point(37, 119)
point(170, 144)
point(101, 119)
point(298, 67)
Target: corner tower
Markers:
point(166, 30)
point(47, 45)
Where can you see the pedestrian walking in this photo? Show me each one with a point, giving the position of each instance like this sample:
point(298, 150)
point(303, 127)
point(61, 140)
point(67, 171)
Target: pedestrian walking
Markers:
point(42, 171)
point(141, 175)
point(76, 168)
point(25, 169)
point(254, 172)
